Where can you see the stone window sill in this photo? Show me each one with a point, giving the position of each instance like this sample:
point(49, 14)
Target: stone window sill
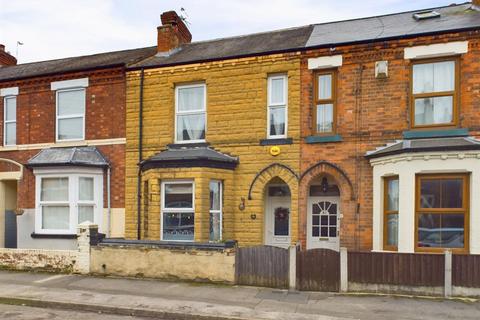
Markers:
point(323, 139)
point(276, 142)
point(419, 134)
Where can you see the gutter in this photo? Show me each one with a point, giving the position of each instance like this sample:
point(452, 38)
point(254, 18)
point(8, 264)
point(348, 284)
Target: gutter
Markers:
point(140, 157)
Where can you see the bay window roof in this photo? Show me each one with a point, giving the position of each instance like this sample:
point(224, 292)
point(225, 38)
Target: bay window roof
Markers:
point(188, 157)
point(73, 156)
point(422, 145)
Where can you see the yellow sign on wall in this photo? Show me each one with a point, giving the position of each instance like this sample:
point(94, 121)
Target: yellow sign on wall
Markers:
point(275, 151)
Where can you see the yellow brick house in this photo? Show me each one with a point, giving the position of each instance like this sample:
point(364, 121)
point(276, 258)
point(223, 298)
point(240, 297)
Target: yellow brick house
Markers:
point(213, 133)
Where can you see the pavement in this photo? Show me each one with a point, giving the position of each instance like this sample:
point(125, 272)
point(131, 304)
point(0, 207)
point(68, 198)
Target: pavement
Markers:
point(142, 298)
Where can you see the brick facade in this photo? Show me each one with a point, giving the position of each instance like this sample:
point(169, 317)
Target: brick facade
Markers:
point(371, 113)
point(104, 127)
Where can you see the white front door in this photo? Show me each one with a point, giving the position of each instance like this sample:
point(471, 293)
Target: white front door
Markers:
point(323, 224)
point(277, 221)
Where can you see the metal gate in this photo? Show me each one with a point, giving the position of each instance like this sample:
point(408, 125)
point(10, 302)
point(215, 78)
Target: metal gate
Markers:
point(263, 266)
point(10, 229)
point(318, 270)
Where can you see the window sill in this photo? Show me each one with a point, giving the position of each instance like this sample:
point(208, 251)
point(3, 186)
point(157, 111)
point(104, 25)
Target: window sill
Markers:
point(53, 236)
point(419, 134)
point(323, 139)
point(274, 142)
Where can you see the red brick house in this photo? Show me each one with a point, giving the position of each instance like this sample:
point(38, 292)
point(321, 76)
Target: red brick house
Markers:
point(62, 153)
point(391, 107)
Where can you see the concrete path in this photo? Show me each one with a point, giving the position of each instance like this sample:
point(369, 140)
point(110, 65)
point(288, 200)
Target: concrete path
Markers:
point(170, 300)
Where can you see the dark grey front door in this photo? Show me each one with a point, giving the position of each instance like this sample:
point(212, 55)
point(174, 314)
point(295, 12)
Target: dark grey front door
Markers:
point(10, 229)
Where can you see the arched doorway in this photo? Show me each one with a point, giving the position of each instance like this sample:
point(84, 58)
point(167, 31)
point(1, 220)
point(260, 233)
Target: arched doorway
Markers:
point(10, 173)
point(323, 214)
point(277, 213)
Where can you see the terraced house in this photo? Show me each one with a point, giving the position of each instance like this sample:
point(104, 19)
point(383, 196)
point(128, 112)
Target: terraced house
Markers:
point(215, 129)
point(390, 108)
point(356, 133)
point(62, 159)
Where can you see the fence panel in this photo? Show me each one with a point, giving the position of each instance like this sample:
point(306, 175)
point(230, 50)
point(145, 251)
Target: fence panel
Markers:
point(263, 266)
point(406, 269)
point(318, 270)
point(466, 270)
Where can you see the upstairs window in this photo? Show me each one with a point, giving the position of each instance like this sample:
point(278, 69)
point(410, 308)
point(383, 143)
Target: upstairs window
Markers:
point(190, 105)
point(277, 107)
point(10, 121)
point(324, 110)
point(70, 114)
point(434, 93)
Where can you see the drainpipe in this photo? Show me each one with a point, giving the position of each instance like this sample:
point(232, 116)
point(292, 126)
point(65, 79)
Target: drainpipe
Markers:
point(140, 158)
point(109, 207)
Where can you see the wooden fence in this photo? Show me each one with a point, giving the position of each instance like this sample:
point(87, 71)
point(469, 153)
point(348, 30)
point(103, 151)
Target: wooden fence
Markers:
point(466, 271)
point(403, 269)
point(318, 270)
point(263, 266)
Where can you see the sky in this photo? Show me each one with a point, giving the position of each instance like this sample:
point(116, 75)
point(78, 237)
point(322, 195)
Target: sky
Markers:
point(51, 29)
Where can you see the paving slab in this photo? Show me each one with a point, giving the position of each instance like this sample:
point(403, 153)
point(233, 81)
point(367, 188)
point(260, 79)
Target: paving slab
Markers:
point(180, 300)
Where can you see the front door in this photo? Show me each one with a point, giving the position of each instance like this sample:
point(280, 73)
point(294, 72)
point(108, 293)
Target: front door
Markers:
point(323, 225)
point(277, 217)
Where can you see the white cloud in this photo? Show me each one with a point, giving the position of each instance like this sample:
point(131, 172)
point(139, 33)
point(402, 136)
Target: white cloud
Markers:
point(54, 28)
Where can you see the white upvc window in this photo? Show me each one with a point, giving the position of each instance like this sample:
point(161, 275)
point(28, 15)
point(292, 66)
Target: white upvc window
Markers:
point(178, 210)
point(190, 113)
point(216, 205)
point(277, 112)
point(64, 200)
point(70, 119)
point(10, 121)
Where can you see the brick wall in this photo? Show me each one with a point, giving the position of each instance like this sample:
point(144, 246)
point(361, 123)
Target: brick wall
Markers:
point(373, 112)
point(105, 119)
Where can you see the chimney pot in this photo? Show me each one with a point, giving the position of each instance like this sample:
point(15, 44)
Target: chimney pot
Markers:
point(172, 33)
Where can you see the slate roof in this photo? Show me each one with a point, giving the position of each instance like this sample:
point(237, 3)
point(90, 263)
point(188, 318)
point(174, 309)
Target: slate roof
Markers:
point(397, 25)
point(74, 156)
point(202, 156)
point(108, 59)
point(241, 46)
point(425, 145)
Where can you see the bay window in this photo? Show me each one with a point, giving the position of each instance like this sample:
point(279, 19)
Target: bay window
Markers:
point(190, 106)
point(66, 200)
point(70, 114)
point(10, 121)
point(324, 110)
point(277, 107)
point(216, 202)
point(442, 215)
point(390, 217)
point(434, 92)
point(178, 210)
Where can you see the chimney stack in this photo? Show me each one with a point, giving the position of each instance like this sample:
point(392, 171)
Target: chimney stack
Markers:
point(172, 33)
point(6, 59)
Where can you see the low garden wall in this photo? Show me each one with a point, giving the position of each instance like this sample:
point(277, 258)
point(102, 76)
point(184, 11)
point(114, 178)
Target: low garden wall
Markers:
point(156, 259)
point(38, 260)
